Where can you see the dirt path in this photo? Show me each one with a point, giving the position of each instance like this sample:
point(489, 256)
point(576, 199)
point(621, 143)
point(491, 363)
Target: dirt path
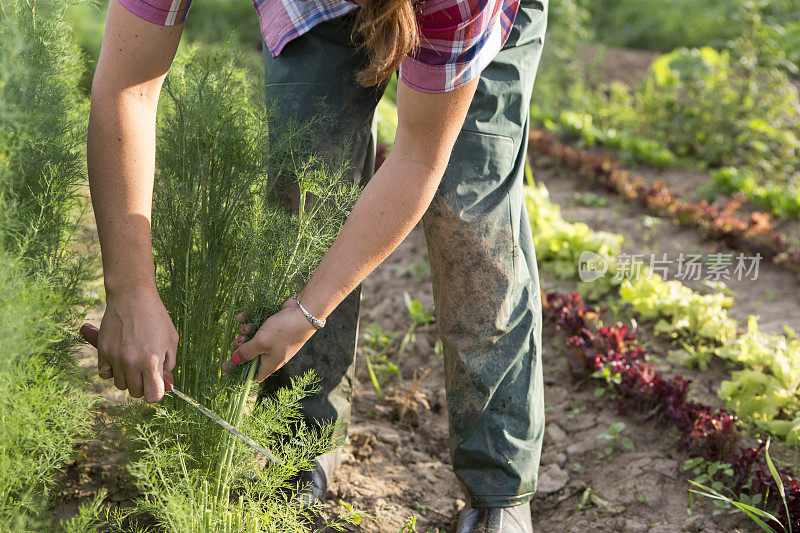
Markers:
point(606, 64)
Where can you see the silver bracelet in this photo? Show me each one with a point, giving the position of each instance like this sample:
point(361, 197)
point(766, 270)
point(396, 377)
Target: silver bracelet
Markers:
point(316, 322)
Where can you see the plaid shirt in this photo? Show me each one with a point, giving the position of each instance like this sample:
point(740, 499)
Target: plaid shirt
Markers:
point(458, 38)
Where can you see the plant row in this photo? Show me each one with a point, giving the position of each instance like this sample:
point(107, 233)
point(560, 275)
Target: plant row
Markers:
point(762, 392)
point(730, 106)
point(753, 234)
point(45, 407)
point(613, 352)
point(697, 326)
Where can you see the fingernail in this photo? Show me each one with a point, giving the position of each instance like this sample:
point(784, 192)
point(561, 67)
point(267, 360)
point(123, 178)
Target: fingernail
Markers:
point(227, 366)
point(235, 359)
point(239, 339)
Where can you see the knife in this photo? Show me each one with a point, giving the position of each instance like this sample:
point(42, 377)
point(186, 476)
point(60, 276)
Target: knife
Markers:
point(90, 334)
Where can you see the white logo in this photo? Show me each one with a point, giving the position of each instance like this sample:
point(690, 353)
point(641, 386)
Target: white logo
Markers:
point(591, 266)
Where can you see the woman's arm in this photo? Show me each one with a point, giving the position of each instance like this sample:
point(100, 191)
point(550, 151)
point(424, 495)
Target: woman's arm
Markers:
point(137, 338)
point(388, 209)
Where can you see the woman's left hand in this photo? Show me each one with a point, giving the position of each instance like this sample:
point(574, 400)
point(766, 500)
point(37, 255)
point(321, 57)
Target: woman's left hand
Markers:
point(278, 339)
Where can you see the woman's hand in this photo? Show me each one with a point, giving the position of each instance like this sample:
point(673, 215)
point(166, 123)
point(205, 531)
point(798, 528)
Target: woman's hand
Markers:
point(278, 339)
point(137, 344)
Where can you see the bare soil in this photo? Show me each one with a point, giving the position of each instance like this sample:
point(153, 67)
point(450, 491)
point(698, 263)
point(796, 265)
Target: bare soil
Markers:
point(604, 64)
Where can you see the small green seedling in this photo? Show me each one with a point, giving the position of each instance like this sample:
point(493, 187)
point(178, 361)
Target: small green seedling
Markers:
point(589, 199)
point(420, 315)
point(438, 349)
point(613, 436)
point(610, 379)
point(421, 269)
point(410, 526)
point(376, 345)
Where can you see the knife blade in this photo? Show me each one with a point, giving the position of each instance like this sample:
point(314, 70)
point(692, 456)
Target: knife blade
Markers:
point(90, 334)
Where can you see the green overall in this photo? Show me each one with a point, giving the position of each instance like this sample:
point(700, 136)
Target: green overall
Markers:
point(485, 279)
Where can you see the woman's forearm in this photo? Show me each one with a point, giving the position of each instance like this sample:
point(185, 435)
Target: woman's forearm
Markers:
point(133, 63)
point(396, 197)
point(121, 162)
point(388, 209)
point(137, 343)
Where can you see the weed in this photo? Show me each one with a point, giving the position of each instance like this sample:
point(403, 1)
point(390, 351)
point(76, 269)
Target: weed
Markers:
point(638, 497)
point(614, 438)
point(376, 344)
point(438, 348)
point(573, 414)
point(422, 269)
point(410, 526)
point(420, 316)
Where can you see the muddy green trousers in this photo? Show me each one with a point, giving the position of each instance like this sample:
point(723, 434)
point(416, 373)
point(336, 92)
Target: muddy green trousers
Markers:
point(485, 279)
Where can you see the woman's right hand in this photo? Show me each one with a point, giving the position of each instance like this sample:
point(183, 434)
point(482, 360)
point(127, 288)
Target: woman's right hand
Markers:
point(137, 344)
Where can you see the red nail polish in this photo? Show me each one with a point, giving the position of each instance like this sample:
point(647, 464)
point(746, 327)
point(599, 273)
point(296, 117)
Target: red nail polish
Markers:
point(235, 359)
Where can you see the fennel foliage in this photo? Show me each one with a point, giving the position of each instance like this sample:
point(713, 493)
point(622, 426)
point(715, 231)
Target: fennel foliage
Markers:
point(243, 211)
point(45, 410)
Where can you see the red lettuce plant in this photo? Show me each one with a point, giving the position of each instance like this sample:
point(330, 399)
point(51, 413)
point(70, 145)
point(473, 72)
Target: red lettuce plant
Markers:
point(712, 434)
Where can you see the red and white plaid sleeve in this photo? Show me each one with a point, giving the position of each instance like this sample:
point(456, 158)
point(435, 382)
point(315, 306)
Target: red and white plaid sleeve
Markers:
point(162, 12)
point(458, 39)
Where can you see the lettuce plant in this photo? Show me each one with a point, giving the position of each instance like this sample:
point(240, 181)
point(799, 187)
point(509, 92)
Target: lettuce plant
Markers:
point(765, 390)
point(682, 314)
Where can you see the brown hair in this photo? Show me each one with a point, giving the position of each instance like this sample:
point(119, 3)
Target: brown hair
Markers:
point(389, 32)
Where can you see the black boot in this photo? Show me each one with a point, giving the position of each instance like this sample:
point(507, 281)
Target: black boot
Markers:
point(311, 485)
point(515, 519)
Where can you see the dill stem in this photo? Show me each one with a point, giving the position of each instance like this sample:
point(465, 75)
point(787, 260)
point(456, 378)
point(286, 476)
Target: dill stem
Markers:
point(301, 210)
point(229, 443)
point(184, 357)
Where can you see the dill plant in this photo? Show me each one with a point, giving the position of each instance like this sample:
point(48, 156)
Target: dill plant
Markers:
point(243, 210)
point(42, 131)
point(44, 408)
